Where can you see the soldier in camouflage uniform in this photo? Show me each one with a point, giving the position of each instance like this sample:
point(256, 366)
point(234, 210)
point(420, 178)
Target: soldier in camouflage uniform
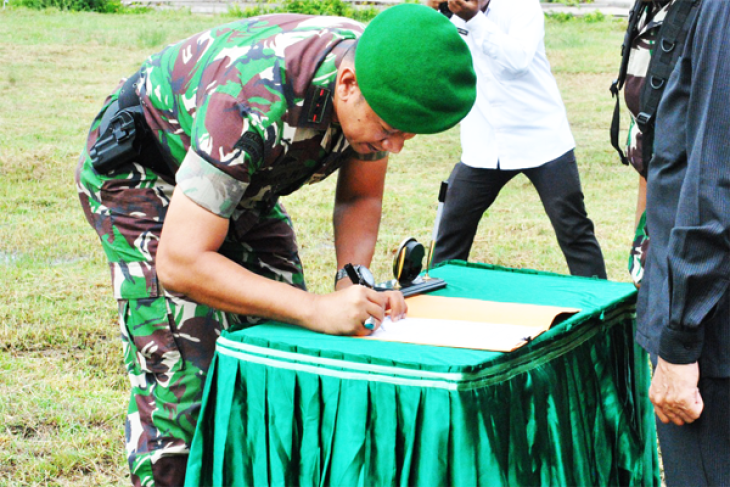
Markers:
point(642, 48)
point(196, 239)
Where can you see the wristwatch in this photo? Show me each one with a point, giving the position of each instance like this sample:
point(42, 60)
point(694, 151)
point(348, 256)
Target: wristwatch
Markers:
point(358, 274)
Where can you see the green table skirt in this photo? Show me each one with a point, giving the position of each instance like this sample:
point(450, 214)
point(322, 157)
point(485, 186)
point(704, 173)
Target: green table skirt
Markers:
point(284, 406)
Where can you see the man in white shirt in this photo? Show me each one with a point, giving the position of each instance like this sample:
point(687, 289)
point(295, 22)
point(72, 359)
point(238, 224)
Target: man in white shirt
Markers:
point(518, 125)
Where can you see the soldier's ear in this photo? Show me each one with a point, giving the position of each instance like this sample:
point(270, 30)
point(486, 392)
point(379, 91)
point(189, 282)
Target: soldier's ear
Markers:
point(347, 86)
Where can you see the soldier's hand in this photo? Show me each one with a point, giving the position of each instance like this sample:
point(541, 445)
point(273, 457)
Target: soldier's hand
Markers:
point(396, 307)
point(346, 311)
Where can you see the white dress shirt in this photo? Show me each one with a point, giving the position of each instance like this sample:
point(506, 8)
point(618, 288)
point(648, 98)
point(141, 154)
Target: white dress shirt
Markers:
point(519, 119)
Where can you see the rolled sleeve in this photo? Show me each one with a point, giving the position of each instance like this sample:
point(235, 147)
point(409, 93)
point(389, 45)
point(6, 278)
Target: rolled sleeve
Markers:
point(208, 186)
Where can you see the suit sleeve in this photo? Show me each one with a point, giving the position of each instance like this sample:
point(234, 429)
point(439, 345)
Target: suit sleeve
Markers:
point(698, 257)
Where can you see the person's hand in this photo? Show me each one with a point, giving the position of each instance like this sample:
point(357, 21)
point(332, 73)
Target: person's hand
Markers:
point(396, 306)
point(674, 392)
point(434, 4)
point(466, 9)
point(345, 311)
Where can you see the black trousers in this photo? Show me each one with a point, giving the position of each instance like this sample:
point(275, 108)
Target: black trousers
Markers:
point(698, 454)
point(472, 191)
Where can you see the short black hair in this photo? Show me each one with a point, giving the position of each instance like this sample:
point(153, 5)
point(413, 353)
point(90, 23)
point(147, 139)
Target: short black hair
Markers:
point(350, 53)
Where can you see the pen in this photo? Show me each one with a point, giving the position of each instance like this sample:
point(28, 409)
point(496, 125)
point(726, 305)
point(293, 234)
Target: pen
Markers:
point(357, 278)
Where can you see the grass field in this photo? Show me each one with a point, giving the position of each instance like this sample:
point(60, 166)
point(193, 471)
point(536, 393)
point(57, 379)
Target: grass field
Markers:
point(63, 391)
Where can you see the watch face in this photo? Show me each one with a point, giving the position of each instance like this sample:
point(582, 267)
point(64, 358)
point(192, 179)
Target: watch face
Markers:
point(366, 276)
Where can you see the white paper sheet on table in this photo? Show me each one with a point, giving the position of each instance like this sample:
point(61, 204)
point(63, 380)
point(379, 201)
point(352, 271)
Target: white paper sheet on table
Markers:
point(455, 333)
point(469, 323)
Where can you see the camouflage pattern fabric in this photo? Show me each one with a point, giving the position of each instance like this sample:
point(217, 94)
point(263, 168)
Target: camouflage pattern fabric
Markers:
point(639, 59)
point(639, 248)
point(243, 113)
point(638, 252)
point(245, 108)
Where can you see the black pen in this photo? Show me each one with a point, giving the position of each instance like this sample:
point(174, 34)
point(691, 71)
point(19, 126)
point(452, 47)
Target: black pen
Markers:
point(356, 276)
point(360, 275)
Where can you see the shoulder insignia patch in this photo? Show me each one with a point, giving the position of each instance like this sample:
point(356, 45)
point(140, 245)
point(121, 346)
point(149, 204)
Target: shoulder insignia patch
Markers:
point(318, 105)
point(253, 144)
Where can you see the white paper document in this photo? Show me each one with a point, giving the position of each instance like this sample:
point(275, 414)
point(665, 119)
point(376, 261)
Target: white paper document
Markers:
point(469, 323)
point(456, 333)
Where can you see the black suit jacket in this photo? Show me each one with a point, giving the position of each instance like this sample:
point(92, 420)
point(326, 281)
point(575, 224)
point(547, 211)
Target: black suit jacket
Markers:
point(684, 302)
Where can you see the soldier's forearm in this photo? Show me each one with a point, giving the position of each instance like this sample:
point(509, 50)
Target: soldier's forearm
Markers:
point(356, 225)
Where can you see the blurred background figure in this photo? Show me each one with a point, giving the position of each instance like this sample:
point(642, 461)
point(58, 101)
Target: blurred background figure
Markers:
point(518, 125)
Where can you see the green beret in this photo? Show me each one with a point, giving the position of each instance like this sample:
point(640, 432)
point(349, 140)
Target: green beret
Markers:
point(414, 69)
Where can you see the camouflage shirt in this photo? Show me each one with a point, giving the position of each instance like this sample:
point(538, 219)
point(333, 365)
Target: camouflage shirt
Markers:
point(639, 58)
point(245, 109)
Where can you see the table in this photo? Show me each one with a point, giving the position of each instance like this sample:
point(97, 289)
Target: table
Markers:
point(285, 406)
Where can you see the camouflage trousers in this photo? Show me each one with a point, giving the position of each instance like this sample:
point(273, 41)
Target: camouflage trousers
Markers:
point(639, 249)
point(168, 340)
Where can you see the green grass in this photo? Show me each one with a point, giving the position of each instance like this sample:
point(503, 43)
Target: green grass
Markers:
point(63, 391)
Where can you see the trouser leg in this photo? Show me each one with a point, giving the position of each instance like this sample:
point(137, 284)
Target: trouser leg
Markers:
point(168, 402)
point(168, 340)
point(698, 453)
point(167, 343)
point(558, 185)
point(471, 192)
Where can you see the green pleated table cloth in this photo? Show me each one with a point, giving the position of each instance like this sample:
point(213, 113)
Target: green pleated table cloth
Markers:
point(286, 406)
